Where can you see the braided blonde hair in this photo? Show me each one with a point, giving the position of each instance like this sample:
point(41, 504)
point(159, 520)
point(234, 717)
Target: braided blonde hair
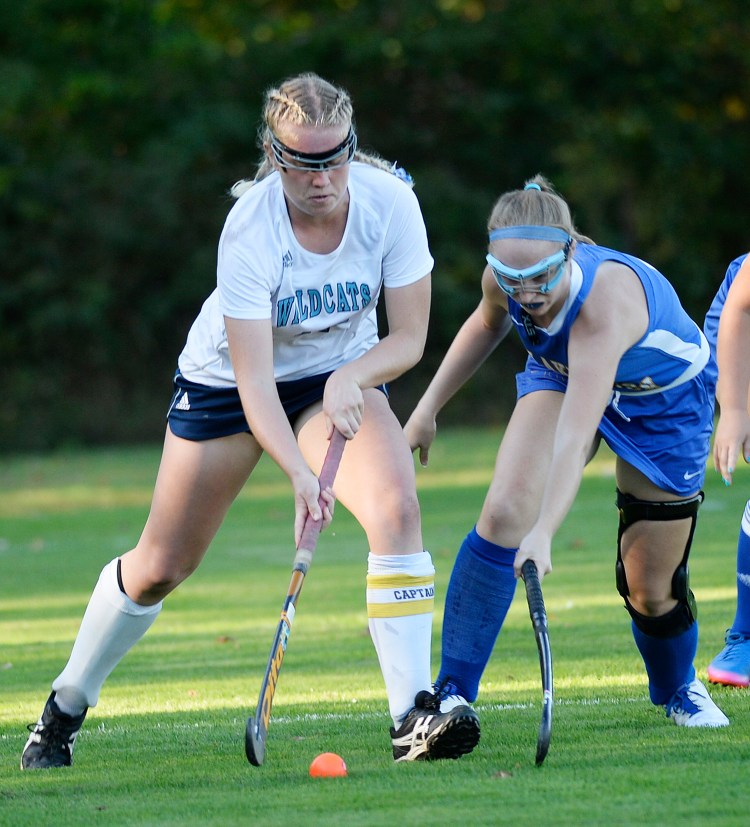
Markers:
point(305, 99)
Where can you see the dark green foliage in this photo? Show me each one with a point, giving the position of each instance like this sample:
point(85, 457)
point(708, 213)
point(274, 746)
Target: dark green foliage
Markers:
point(123, 123)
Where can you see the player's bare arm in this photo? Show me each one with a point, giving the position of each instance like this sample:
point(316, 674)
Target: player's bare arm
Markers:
point(477, 338)
point(251, 346)
point(613, 318)
point(407, 312)
point(732, 438)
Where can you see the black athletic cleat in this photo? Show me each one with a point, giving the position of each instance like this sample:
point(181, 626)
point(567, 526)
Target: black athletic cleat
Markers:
point(429, 734)
point(52, 738)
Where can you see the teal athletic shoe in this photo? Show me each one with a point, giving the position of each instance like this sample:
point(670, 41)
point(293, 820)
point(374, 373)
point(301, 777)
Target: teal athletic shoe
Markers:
point(731, 667)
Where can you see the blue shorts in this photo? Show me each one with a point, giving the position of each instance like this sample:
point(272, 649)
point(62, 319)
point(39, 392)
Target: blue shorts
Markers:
point(199, 412)
point(666, 435)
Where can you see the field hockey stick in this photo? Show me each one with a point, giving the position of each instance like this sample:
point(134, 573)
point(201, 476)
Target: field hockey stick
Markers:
point(538, 615)
point(256, 730)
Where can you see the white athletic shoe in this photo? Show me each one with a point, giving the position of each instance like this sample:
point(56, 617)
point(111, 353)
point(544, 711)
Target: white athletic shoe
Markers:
point(449, 702)
point(444, 697)
point(692, 706)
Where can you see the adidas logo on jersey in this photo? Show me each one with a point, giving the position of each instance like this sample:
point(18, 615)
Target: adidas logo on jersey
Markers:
point(184, 403)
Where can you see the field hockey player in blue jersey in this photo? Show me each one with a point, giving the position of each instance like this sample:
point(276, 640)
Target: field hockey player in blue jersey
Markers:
point(727, 328)
point(283, 351)
point(611, 355)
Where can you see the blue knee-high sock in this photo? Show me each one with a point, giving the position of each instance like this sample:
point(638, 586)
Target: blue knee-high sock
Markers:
point(669, 661)
point(479, 595)
point(742, 617)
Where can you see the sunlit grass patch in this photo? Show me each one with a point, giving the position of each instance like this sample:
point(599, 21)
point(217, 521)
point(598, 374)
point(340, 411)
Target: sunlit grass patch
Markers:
point(165, 744)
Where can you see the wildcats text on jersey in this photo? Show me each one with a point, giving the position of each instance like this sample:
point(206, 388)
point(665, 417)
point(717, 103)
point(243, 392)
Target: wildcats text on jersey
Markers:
point(307, 304)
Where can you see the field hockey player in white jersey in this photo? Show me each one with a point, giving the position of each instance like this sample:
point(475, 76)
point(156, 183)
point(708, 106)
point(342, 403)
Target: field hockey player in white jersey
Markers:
point(612, 355)
point(283, 351)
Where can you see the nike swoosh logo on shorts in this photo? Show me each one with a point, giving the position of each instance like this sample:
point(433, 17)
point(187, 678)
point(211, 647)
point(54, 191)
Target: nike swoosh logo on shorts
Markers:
point(687, 476)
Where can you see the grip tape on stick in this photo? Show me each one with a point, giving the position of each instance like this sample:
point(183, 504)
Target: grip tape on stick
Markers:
point(538, 615)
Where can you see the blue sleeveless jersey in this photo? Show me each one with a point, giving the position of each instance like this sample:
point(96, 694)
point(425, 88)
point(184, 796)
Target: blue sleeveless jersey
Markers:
point(672, 350)
point(711, 323)
point(660, 415)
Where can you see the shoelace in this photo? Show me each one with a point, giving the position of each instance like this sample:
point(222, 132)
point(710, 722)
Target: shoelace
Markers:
point(683, 701)
point(56, 730)
point(733, 638)
point(418, 733)
point(441, 691)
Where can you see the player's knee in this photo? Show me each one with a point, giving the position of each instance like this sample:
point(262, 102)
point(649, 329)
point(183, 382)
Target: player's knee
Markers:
point(159, 577)
point(670, 624)
point(655, 597)
point(651, 605)
point(405, 511)
point(397, 507)
point(506, 516)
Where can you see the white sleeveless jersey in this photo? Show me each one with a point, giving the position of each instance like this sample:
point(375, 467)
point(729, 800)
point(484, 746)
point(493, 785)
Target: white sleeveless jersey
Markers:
point(322, 307)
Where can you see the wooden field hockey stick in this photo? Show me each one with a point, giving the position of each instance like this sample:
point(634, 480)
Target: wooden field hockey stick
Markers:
point(538, 616)
point(256, 730)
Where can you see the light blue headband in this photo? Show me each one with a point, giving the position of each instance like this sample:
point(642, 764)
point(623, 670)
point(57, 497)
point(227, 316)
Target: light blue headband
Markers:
point(535, 232)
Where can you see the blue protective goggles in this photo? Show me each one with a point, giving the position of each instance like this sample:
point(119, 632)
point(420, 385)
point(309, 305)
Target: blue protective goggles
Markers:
point(335, 158)
point(540, 277)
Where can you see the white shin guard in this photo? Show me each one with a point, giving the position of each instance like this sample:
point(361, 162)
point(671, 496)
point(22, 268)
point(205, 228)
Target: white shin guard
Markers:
point(400, 600)
point(111, 626)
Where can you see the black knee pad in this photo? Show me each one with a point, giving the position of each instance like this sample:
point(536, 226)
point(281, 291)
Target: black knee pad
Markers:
point(631, 511)
point(672, 624)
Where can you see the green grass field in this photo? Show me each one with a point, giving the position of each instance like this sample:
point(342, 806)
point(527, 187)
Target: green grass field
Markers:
point(165, 744)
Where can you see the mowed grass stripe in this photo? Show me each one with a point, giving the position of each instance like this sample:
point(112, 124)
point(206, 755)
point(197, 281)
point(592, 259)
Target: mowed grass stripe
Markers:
point(165, 744)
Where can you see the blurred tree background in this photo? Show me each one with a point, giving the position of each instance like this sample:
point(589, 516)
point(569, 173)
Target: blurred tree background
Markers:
point(124, 122)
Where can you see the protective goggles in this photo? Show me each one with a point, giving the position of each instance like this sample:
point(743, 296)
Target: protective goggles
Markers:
point(540, 277)
point(335, 158)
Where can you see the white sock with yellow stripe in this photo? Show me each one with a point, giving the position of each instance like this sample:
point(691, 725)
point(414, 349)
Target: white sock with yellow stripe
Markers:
point(400, 601)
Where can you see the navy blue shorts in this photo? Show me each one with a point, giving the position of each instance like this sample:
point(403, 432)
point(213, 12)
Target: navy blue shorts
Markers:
point(201, 412)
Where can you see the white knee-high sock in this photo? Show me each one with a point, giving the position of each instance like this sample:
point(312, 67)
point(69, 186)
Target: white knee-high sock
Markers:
point(112, 624)
point(400, 601)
